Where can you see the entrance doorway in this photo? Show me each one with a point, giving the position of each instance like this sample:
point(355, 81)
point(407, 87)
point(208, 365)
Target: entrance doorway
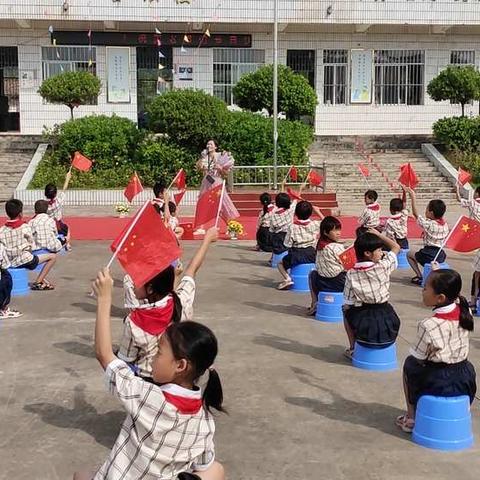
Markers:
point(9, 90)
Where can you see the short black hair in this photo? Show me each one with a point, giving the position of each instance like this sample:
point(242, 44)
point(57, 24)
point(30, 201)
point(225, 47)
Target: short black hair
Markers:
point(282, 200)
point(367, 242)
point(265, 198)
point(41, 206)
point(303, 210)
point(328, 224)
point(437, 207)
point(172, 208)
point(371, 194)
point(396, 205)
point(13, 208)
point(159, 187)
point(51, 191)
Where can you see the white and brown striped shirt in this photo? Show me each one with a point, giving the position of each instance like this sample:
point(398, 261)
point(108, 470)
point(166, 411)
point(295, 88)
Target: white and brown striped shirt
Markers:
point(55, 206)
point(473, 207)
point(434, 231)
point(396, 226)
point(302, 234)
point(18, 243)
point(44, 230)
point(281, 218)
point(264, 217)
point(370, 217)
point(328, 263)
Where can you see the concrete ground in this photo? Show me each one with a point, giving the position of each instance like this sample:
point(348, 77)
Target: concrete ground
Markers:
point(298, 410)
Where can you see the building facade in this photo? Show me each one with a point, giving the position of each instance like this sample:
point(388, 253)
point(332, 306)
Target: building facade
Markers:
point(369, 61)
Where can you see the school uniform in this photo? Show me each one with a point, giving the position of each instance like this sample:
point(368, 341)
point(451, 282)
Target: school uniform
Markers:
point(55, 211)
point(44, 231)
point(17, 238)
point(367, 290)
point(370, 218)
point(6, 283)
point(280, 221)
point(396, 228)
point(167, 430)
point(146, 321)
point(330, 274)
point(438, 363)
point(301, 238)
point(434, 234)
point(264, 241)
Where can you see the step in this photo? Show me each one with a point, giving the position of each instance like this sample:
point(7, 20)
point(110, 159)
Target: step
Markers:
point(253, 212)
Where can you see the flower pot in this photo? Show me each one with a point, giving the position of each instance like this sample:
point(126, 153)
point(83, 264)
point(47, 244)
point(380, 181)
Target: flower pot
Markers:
point(233, 235)
point(122, 215)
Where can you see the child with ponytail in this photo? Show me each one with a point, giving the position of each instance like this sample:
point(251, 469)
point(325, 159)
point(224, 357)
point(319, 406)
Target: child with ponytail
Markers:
point(264, 243)
point(169, 428)
point(438, 363)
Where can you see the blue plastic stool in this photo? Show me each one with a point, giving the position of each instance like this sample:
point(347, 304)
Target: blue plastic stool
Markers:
point(378, 359)
point(402, 259)
point(329, 307)
point(63, 251)
point(39, 267)
point(443, 423)
point(20, 282)
point(299, 275)
point(427, 268)
point(277, 257)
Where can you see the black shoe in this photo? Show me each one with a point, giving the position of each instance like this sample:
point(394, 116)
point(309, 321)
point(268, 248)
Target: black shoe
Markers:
point(188, 476)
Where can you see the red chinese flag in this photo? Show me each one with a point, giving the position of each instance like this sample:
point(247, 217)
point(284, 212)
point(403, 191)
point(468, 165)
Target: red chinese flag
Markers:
point(364, 170)
point(463, 176)
point(348, 258)
point(177, 197)
point(408, 177)
point(464, 236)
point(133, 188)
point(293, 173)
point(314, 178)
point(208, 205)
point(149, 247)
point(181, 180)
point(293, 194)
point(82, 163)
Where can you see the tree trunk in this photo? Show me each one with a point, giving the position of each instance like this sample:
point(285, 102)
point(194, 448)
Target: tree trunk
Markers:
point(71, 107)
point(463, 109)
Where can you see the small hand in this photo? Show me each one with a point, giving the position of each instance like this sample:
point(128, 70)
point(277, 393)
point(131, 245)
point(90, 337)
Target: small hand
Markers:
point(103, 284)
point(212, 234)
point(435, 266)
point(68, 176)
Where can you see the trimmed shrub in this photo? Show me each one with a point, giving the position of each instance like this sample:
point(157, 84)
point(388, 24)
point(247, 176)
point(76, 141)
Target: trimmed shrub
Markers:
point(458, 133)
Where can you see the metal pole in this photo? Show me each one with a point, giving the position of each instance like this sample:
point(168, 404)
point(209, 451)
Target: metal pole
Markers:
point(275, 93)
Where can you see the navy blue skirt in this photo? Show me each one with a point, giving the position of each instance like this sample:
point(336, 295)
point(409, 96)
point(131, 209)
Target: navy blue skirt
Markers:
point(264, 240)
point(439, 379)
point(298, 256)
point(374, 325)
point(327, 284)
point(427, 254)
point(277, 240)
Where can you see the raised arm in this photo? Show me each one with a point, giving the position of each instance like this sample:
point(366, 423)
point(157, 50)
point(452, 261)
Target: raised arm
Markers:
point(389, 243)
point(318, 212)
point(413, 199)
point(68, 177)
point(196, 262)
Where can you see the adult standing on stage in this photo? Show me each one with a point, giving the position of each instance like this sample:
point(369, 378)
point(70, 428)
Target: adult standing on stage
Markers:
point(215, 167)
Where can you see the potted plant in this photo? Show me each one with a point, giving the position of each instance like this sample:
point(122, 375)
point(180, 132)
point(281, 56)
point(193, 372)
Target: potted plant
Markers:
point(234, 229)
point(122, 209)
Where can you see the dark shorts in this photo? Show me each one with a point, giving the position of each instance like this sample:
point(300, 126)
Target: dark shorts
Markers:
point(427, 254)
point(327, 284)
point(277, 240)
point(299, 256)
point(31, 265)
point(374, 325)
point(264, 240)
point(403, 242)
point(62, 228)
point(439, 379)
point(6, 285)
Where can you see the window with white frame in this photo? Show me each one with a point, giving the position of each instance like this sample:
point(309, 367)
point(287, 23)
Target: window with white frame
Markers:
point(57, 60)
point(335, 77)
point(399, 77)
point(462, 57)
point(229, 64)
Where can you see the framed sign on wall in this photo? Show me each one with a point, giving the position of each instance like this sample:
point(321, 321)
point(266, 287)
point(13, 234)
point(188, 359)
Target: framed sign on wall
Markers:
point(361, 67)
point(118, 75)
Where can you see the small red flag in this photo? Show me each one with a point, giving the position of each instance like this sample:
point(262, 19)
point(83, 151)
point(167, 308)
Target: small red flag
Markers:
point(463, 176)
point(181, 180)
point(314, 178)
point(148, 248)
point(208, 205)
point(364, 170)
point(293, 173)
point(133, 188)
point(348, 258)
point(408, 177)
point(293, 194)
point(177, 197)
point(464, 236)
point(80, 162)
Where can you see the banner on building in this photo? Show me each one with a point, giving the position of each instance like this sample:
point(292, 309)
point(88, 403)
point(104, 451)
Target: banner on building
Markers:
point(361, 82)
point(118, 74)
point(185, 72)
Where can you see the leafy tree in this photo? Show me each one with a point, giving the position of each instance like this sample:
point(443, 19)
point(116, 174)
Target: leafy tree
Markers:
point(459, 84)
point(254, 92)
point(71, 89)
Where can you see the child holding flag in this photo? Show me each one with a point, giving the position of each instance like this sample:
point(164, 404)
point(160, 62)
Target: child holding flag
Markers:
point(370, 217)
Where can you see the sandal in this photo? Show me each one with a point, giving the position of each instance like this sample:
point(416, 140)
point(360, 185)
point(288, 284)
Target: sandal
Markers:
point(416, 280)
point(405, 423)
point(312, 310)
point(348, 353)
point(42, 286)
point(285, 285)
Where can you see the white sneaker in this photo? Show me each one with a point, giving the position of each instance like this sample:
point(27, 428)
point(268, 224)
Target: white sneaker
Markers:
point(10, 313)
point(199, 231)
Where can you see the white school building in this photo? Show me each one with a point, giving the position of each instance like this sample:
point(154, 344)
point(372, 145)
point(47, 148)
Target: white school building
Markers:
point(369, 60)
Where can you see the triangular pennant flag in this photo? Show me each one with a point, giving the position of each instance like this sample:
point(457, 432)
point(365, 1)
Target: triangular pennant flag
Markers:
point(50, 29)
point(348, 258)
point(160, 66)
point(133, 188)
point(160, 54)
point(314, 178)
point(208, 205)
point(82, 163)
point(464, 236)
point(177, 197)
point(463, 176)
point(186, 39)
point(207, 33)
point(157, 31)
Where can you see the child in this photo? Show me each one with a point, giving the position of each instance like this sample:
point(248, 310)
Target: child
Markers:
point(396, 227)
point(44, 229)
point(6, 286)
point(173, 221)
point(435, 232)
point(301, 238)
point(55, 208)
point(165, 305)
point(169, 429)
point(329, 275)
point(264, 242)
point(438, 363)
point(369, 319)
point(370, 217)
point(280, 220)
point(17, 238)
point(158, 190)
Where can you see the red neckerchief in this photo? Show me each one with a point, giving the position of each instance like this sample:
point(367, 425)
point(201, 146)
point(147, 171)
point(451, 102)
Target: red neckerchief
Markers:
point(18, 222)
point(440, 221)
point(362, 266)
point(477, 199)
point(302, 223)
point(281, 210)
point(185, 405)
point(398, 216)
point(453, 316)
point(374, 206)
point(270, 208)
point(323, 243)
point(153, 320)
point(52, 201)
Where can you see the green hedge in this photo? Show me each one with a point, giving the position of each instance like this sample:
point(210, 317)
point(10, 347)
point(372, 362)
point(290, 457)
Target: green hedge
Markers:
point(458, 133)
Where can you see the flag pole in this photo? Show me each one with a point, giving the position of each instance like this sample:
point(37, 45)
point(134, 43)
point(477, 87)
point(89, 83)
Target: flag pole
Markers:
point(447, 239)
point(127, 233)
point(220, 205)
point(287, 175)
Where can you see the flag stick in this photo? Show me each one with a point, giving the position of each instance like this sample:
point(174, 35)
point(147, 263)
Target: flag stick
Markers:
point(287, 175)
point(220, 205)
point(175, 179)
point(127, 233)
point(446, 240)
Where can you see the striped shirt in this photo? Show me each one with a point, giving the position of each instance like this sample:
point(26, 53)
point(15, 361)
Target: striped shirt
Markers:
point(4, 261)
point(264, 218)
point(440, 338)
point(328, 264)
point(396, 226)
point(302, 234)
point(281, 218)
point(370, 217)
point(434, 231)
point(55, 206)
point(473, 207)
point(44, 230)
point(158, 440)
point(369, 282)
point(18, 243)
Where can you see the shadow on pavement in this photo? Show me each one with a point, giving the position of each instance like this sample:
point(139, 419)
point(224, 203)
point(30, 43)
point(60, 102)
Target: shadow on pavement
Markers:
point(297, 310)
point(92, 308)
point(77, 348)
